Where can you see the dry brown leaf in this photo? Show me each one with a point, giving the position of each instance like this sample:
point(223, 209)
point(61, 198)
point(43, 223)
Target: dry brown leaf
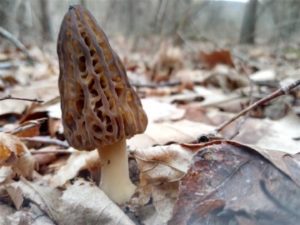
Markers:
point(213, 190)
point(30, 132)
point(166, 63)
point(263, 76)
point(15, 154)
point(16, 196)
point(5, 211)
point(161, 168)
point(85, 203)
point(34, 216)
point(202, 96)
point(159, 211)
point(192, 75)
point(164, 197)
point(42, 90)
point(43, 158)
point(217, 57)
point(6, 173)
point(158, 111)
point(182, 131)
point(44, 197)
point(163, 163)
point(266, 133)
point(76, 162)
point(81, 203)
point(228, 79)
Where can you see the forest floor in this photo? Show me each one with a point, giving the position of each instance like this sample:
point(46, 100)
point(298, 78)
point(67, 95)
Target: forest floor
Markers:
point(194, 164)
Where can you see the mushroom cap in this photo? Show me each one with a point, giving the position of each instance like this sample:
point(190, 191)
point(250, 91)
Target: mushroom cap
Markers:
point(99, 106)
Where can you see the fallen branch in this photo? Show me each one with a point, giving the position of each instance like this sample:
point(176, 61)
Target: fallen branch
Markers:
point(9, 97)
point(270, 97)
point(6, 34)
point(46, 140)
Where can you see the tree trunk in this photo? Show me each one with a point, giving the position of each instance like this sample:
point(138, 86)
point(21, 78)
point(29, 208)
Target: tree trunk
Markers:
point(247, 35)
point(46, 21)
point(83, 3)
point(8, 11)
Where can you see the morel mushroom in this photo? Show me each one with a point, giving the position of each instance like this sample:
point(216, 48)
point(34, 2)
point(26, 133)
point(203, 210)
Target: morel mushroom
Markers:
point(99, 107)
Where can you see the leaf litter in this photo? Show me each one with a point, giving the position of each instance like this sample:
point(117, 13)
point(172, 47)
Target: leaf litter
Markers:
point(183, 176)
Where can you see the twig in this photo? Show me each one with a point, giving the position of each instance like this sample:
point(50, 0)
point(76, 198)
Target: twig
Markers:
point(275, 94)
point(57, 151)
point(46, 140)
point(6, 34)
point(165, 84)
point(9, 97)
point(251, 100)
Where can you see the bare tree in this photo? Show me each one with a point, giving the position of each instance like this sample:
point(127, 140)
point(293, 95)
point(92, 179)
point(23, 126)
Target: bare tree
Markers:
point(83, 3)
point(247, 35)
point(131, 16)
point(8, 11)
point(46, 21)
point(286, 17)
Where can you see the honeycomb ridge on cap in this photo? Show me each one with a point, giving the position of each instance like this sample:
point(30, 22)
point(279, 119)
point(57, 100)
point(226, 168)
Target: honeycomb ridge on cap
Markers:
point(99, 106)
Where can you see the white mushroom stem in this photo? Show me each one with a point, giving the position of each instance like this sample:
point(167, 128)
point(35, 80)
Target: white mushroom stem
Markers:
point(115, 181)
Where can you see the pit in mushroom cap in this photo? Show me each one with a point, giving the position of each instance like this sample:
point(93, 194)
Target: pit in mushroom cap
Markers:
point(99, 106)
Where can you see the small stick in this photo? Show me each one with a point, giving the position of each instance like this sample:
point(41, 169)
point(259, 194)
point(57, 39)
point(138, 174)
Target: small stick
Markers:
point(275, 94)
point(165, 84)
point(58, 151)
point(6, 34)
point(9, 97)
point(251, 98)
point(46, 140)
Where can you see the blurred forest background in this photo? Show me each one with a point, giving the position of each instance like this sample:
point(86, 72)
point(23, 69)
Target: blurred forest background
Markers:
point(218, 80)
point(262, 21)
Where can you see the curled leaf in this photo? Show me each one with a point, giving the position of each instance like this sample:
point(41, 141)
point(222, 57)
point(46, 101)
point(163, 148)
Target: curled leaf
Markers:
point(14, 154)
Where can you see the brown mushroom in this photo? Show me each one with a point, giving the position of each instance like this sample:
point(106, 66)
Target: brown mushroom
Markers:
point(99, 107)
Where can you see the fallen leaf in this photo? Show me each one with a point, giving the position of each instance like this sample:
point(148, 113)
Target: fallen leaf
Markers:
point(25, 216)
point(228, 79)
point(16, 196)
point(42, 90)
point(210, 60)
point(163, 163)
point(161, 168)
point(182, 131)
point(166, 63)
point(277, 135)
point(263, 76)
point(15, 154)
point(6, 173)
point(44, 197)
point(159, 211)
point(159, 111)
point(76, 162)
point(214, 192)
point(5, 211)
point(264, 133)
point(30, 132)
point(85, 203)
point(202, 96)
